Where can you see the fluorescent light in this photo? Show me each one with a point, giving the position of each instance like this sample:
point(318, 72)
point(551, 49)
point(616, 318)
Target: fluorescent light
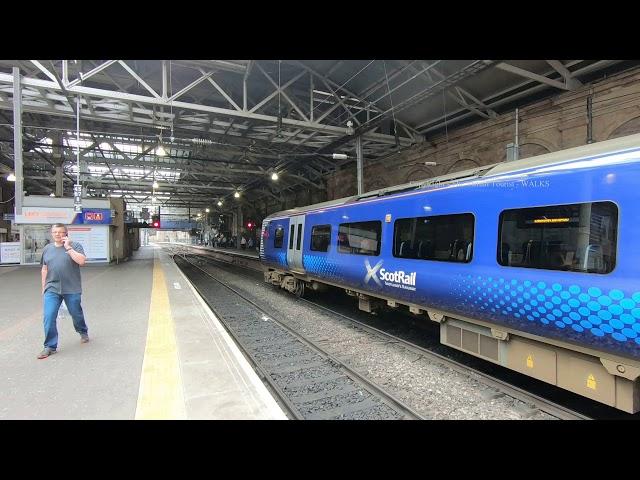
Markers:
point(155, 184)
point(160, 151)
point(274, 176)
point(11, 177)
point(219, 203)
point(236, 195)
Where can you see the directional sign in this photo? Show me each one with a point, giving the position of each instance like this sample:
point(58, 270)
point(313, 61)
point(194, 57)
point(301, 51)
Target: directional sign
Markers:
point(77, 198)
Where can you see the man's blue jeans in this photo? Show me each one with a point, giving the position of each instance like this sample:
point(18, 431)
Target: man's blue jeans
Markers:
point(52, 302)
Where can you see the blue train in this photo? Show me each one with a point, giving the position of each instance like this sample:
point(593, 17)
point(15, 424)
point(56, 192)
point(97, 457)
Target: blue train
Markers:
point(532, 264)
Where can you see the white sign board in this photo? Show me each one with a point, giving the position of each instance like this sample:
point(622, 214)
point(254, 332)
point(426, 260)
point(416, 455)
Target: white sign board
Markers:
point(10, 252)
point(45, 215)
point(94, 240)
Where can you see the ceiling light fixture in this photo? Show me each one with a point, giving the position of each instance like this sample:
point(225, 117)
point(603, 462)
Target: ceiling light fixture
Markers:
point(219, 203)
point(155, 184)
point(160, 151)
point(236, 195)
point(274, 176)
point(207, 210)
point(11, 177)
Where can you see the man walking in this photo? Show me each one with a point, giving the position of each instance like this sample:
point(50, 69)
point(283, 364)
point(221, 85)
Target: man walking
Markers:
point(61, 261)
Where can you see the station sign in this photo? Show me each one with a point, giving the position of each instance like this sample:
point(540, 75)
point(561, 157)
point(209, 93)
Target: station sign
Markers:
point(45, 215)
point(77, 198)
point(94, 216)
point(10, 252)
point(67, 216)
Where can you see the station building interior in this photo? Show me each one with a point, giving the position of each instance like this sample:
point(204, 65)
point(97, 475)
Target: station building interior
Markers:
point(200, 152)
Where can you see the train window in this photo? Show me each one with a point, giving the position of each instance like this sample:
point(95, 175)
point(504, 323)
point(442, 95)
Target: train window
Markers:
point(320, 238)
point(447, 238)
point(299, 240)
point(361, 238)
point(278, 238)
point(579, 238)
point(293, 229)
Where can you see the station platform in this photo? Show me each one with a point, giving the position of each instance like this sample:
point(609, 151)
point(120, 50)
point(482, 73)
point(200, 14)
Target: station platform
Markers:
point(156, 350)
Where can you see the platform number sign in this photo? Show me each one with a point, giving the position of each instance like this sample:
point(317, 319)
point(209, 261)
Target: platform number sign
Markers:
point(77, 198)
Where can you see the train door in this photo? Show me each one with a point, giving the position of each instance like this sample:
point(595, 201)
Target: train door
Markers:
point(294, 251)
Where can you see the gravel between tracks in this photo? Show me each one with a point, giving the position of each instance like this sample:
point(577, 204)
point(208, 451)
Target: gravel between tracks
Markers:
point(432, 389)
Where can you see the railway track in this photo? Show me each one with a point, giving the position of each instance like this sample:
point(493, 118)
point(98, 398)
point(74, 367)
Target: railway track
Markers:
point(307, 380)
point(496, 387)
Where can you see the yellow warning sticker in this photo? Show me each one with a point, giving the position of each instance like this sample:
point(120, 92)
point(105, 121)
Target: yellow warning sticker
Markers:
point(591, 382)
point(530, 361)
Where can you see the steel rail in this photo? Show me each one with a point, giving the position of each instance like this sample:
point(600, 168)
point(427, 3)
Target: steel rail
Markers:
point(389, 398)
point(506, 388)
point(282, 398)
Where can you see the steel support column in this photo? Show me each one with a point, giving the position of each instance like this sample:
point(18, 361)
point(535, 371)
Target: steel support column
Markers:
point(359, 164)
point(58, 161)
point(17, 140)
point(240, 221)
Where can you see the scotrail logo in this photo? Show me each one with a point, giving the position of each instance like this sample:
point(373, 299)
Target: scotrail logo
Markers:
point(371, 272)
point(396, 279)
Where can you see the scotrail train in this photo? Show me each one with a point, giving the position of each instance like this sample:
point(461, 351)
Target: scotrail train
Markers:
point(532, 264)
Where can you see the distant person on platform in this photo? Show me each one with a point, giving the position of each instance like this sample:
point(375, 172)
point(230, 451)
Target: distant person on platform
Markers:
point(243, 242)
point(61, 262)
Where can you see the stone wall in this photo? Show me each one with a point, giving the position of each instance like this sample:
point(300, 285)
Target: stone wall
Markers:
point(556, 123)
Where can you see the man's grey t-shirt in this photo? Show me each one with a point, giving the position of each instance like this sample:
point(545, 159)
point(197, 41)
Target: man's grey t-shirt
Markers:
point(63, 274)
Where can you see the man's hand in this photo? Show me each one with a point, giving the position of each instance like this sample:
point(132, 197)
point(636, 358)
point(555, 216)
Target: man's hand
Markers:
point(44, 276)
point(67, 242)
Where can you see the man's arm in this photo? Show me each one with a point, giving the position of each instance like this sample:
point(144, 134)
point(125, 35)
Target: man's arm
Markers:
point(77, 257)
point(44, 276)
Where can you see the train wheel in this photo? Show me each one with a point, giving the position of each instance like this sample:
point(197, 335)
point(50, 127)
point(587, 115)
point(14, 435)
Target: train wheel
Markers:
point(299, 291)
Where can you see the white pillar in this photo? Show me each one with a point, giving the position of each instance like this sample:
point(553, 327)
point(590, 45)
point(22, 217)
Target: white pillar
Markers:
point(359, 164)
point(17, 140)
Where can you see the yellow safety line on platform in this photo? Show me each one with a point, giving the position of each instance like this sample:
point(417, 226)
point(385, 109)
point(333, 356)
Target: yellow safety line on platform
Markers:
point(160, 396)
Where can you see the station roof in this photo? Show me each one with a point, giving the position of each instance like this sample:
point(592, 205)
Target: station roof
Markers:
point(227, 125)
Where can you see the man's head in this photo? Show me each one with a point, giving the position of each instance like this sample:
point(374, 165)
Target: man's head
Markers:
point(58, 232)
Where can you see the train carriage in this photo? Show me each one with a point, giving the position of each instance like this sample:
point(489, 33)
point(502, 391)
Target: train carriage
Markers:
point(531, 264)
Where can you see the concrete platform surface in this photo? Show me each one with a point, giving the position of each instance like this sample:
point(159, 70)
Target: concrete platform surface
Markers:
point(156, 350)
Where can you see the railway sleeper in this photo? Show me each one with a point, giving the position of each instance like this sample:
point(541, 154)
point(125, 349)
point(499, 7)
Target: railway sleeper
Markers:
point(604, 380)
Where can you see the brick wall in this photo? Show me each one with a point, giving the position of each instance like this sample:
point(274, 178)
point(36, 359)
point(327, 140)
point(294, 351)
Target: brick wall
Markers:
point(556, 123)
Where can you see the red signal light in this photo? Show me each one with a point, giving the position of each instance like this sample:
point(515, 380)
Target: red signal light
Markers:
point(156, 224)
point(249, 225)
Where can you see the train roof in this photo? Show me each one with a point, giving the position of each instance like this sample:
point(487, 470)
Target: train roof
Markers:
point(497, 169)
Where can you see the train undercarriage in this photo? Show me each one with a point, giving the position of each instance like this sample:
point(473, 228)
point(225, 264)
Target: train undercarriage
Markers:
point(607, 379)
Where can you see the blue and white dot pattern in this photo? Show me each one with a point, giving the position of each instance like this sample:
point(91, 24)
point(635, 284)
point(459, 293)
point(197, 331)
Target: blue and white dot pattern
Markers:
point(281, 259)
point(321, 266)
point(585, 310)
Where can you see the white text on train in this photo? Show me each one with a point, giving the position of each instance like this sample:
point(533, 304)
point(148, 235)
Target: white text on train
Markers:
point(402, 278)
